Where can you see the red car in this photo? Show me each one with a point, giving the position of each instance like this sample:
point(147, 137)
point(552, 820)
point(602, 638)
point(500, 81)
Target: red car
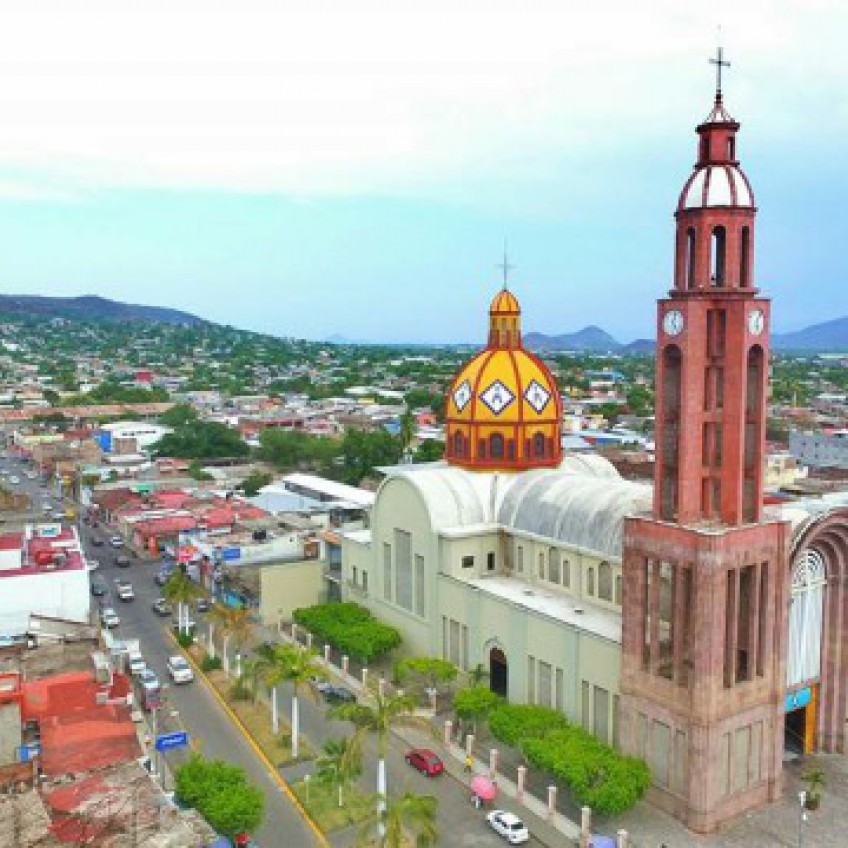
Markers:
point(426, 761)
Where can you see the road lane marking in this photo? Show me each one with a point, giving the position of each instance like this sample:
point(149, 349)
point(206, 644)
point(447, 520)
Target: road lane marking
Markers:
point(272, 771)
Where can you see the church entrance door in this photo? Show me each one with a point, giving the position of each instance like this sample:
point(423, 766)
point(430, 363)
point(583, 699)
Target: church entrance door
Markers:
point(498, 672)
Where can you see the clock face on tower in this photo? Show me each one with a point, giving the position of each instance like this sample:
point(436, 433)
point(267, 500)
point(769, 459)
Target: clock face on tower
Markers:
point(756, 322)
point(673, 322)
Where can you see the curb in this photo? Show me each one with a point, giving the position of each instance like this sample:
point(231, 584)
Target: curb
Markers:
point(272, 770)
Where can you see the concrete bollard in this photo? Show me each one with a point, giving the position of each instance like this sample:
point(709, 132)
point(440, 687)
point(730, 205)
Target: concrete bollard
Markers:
point(364, 678)
point(522, 782)
point(585, 826)
point(381, 686)
point(327, 654)
point(433, 693)
point(621, 839)
point(469, 745)
point(309, 640)
point(552, 799)
point(493, 763)
point(448, 732)
point(294, 632)
point(345, 665)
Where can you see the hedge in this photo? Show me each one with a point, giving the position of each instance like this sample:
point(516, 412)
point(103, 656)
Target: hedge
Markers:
point(350, 628)
point(513, 723)
point(598, 776)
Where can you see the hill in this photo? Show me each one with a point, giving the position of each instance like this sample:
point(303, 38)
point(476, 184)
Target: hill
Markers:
point(92, 308)
point(829, 336)
point(590, 338)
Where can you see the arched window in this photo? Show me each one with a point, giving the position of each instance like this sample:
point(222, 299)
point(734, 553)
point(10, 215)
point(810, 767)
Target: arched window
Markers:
point(705, 148)
point(539, 444)
point(510, 449)
point(690, 259)
point(481, 450)
point(805, 618)
point(718, 256)
point(553, 565)
point(605, 581)
point(744, 257)
point(496, 446)
point(731, 148)
point(566, 573)
point(458, 444)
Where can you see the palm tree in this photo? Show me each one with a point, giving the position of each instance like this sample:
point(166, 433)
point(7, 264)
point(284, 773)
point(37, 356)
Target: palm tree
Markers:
point(340, 764)
point(407, 432)
point(379, 716)
point(298, 666)
point(235, 624)
point(181, 590)
point(407, 812)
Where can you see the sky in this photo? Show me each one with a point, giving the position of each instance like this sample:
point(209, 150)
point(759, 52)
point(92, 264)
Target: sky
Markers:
point(338, 168)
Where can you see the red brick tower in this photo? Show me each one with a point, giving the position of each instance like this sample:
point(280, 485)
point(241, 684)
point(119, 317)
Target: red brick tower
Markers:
point(706, 577)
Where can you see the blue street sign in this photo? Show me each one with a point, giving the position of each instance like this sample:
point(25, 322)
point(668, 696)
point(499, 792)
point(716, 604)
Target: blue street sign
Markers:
point(27, 752)
point(169, 741)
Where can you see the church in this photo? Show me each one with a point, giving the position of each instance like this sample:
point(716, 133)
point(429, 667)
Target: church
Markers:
point(683, 622)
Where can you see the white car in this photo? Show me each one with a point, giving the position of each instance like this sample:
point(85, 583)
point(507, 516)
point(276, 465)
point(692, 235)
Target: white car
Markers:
point(116, 542)
point(14, 480)
point(109, 618)
point(136, 662)
point(509, 826)
point(125, 591)
point(93, 564)
point(180, 670)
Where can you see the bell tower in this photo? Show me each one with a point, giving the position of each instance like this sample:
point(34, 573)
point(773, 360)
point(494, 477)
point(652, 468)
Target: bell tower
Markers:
point(703, 669)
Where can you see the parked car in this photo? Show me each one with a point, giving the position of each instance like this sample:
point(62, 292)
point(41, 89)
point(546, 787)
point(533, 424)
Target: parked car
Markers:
point(338, 695)
point(151, 690)
point(96, 541)
point(426, 761)
point(98, 588)
point(93, 564)
point(202, 605)
point(14, 480)
point(109, 618)
point(321, 685)
point(125, 591)
point(116, 541)
point(162, 607)
point(180, 670)
point(509, 826)
point(136, 662)
point(122, 561)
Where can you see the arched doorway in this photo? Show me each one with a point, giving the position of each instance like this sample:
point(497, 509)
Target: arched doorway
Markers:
point(498, 679)
point(820, 571)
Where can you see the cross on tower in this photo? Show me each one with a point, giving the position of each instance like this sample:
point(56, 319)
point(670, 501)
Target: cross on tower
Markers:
point(506, 267)
point(719, 63)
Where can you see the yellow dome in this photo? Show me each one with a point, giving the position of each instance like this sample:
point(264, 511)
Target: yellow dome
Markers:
point(504, 409)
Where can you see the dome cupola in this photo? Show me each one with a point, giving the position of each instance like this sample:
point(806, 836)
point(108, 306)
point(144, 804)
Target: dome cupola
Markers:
point(503, 409)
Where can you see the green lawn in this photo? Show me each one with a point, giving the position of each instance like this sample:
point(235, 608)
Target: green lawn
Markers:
point(322, 804)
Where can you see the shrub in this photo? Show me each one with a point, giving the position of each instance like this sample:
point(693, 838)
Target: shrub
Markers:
point(210, 663)
point(185, 640)
point(475, 703)
point(221, 794)
point(349, 627)
point(599, 777)
point(514, 723)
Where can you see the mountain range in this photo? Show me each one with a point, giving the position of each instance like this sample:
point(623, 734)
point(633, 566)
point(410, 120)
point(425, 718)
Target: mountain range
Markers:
point(830, 336)
point(92, 308)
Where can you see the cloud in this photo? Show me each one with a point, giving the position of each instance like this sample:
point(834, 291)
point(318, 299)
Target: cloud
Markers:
point(440, 99)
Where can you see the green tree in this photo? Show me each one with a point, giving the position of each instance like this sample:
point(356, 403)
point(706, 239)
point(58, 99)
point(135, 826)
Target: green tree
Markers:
point(221, 793)
point(296, 665)
point(362, 452)
point(181, 590)
point(407, 431)
point(430, 672)
point(430, 450)
point(254, 482)
point(339, 765)
point(407, 813)
point(235, 625)
point(379, 715)
point(475, 703)
point(202, 440)
point(179, 415)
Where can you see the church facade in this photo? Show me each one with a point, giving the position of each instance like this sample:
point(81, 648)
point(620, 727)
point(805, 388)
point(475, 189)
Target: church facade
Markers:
point(683, 622)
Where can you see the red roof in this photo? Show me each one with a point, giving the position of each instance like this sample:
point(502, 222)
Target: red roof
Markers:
point(77, 733)
point(11, 541)
point(168, 526)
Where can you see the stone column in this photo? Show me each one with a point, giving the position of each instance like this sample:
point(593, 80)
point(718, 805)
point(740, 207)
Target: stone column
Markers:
point(469, 745)
point(364, 678)
point(552, 798)
point(327, 654)
point(381, 686)
point(621, 839)
point(309, 639)
point(522, 781)
point(345, 665)
point(493, 763)
point(585, 826)
point(294, 632)
point(448, 733)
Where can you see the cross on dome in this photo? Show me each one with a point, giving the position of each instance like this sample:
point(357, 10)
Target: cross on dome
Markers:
point(506, 267)
point(719, 63)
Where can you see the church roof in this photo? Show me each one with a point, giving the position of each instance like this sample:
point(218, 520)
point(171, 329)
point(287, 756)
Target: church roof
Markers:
point(582, 503)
